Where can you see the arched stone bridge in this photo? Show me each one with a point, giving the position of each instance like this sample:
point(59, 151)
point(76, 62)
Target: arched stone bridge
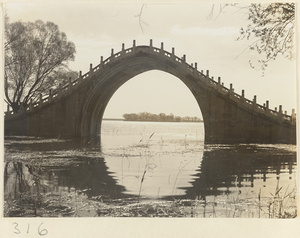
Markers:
point(76, 109)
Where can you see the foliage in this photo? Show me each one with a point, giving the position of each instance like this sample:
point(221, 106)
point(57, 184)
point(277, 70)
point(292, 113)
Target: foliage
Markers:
point(271, 30)
point(273, 26)
point(146, 116)
point(35, 53)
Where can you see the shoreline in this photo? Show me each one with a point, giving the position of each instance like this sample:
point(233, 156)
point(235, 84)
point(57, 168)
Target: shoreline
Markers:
point(117, 119)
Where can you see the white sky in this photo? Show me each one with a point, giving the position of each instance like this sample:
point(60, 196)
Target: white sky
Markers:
point(97, 28)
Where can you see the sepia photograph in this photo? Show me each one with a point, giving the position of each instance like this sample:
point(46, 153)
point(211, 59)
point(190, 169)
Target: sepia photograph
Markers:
point(149, 110)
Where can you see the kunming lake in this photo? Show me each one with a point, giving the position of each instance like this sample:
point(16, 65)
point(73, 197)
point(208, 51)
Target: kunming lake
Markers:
point(148, 169)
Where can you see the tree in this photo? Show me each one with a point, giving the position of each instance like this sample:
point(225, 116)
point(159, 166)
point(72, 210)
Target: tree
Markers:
point(274, 27)
point(35, 52)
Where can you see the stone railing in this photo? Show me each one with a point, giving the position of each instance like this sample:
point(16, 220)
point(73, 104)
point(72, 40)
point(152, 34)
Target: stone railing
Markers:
point(205, 79)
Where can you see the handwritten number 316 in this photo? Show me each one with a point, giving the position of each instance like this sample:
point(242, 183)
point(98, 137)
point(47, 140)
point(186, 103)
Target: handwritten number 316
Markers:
point(41, 231)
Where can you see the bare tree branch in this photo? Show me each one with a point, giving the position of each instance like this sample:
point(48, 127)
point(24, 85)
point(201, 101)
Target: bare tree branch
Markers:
point(141, 22)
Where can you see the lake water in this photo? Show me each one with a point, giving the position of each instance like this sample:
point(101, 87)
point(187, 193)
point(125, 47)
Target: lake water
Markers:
point(148, 161)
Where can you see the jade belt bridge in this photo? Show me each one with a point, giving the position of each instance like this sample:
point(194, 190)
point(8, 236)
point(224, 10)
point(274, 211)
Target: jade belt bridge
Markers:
point(76, 109)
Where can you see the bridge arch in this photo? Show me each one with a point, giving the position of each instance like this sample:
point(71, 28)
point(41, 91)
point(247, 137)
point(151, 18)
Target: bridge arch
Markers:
point(106, 86)
point(76, 109)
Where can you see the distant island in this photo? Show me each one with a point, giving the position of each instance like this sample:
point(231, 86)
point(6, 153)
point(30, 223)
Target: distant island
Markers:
point(161, 117)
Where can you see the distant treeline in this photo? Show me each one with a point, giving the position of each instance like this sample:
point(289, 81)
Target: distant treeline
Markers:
point(161, 117)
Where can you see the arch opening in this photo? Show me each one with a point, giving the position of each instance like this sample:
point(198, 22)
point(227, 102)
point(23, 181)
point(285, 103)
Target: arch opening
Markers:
point(117, 73)
point(152, 93)
point(153, 96)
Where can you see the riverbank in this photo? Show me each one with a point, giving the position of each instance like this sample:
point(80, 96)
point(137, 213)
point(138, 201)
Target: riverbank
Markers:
point(75, 204)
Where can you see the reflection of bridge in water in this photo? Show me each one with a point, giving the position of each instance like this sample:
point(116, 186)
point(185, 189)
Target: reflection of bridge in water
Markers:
point(76, 109)
point(220, 172)
point(227, 169)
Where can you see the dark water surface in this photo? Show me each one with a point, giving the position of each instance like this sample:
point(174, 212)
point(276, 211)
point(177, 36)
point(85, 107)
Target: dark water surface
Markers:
point(144, 161)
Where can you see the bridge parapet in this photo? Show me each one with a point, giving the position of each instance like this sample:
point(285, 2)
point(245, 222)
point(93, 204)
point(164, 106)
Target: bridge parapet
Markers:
point(204, 79)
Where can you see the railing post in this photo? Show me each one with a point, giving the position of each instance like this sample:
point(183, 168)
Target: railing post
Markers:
point(80, 76)
point(91, 70)
point(183, 58)
point(207, 77)
point(254, 99)
point(231, 90)
point(209, 83)
point(40, 99)
point(101, 62)
point(243, 96)
point(8, 112)
point(293, 117)
point(112, 55)
point(50, 94)
point(195, 69)
point(173, 53)
point(162, 52)
point(133, 46)
point(151, 44)
point(70, 82)
point(31, 104)
point(59, 91)
point(280, 114)
point(267, 107)
point(254, 105)
point(219, 84)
